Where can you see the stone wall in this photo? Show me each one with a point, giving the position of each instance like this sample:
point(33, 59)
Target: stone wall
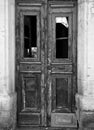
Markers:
point(85, 96)
point(7, 65)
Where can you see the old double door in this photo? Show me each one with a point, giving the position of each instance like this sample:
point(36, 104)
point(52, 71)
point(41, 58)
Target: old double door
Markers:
point(46, 64)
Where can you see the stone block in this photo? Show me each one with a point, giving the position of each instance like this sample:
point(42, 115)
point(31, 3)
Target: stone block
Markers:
point(86, 119)
point(4, 117)
point(8, 111)
point(85, 103)
point(7, 102)
point(82, 86)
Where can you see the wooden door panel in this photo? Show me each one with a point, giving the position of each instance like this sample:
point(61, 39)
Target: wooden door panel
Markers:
point(30, 99)
point(30, 67)
point(62, 68)
point(63, 120)
point(61, 93)
point(29, 119)
point(31, 91)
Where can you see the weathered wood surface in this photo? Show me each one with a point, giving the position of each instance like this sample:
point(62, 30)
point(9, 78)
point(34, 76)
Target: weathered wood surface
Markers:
point(46, 85)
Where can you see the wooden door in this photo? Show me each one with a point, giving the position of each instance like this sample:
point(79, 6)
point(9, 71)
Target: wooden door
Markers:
point(30, 70)
point(61, 64)
point(46, 64)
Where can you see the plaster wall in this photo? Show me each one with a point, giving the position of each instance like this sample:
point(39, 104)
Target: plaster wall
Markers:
point(85, 96)
point(7, 64)
point(86, 53)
